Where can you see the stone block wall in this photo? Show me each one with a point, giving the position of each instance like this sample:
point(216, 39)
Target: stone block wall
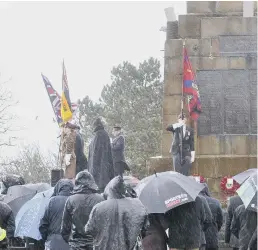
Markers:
point(234, 48)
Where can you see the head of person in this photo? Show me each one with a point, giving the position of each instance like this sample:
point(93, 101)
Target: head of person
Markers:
point(116, 130)
point(63, 187)
point(84, 182)
point(182, 118)
point(115, 189)
point(98, 124)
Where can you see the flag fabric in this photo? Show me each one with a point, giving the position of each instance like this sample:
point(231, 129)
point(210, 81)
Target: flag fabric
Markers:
point(55, 100)
point(66, 106)
point(190, 89)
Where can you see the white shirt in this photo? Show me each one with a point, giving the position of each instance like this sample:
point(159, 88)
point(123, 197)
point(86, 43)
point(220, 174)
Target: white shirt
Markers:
point(178, 125)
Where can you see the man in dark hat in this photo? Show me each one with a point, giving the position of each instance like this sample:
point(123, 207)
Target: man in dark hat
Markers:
point(182, 146)
point(118, 147)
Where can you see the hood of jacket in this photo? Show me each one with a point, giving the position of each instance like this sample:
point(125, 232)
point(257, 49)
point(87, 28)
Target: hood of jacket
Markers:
point(63, 187)
point(115, 189)
point(98, 125)
point(85, 183)
point(205, 191)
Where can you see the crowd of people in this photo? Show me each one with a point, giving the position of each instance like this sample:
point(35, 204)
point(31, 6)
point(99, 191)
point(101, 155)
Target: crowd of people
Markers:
point(98, 211)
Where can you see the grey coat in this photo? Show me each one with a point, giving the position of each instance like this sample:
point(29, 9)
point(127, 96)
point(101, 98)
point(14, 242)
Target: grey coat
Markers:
point(118, 147)
point(234, 202)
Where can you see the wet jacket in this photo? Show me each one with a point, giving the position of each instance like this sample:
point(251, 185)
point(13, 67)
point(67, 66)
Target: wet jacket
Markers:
point(81, 160)
point(253, 242)
point(185, 225)
point(234, 202)
point(77, 210)
point(50, 224)
point(100, 162)
point(243, 226)
point(116, 223)
point(211, 234)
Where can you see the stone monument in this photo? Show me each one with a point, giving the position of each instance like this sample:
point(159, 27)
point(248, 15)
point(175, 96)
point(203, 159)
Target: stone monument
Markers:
point(222, 47)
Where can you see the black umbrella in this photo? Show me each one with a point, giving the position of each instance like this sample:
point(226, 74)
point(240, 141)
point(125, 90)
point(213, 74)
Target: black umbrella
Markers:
point(241, 177)
point(161, 192)
point(18, 195)
point(248, 193)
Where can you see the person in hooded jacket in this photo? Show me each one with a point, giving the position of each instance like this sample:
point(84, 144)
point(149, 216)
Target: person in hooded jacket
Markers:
point(77, 210)
point(234, 202)
point(185, 224)
point(117, 222)
point(243, 225)
point(155, 237)
point(253, 242)
point(100, 161)
point(211, 234)
point(7, 223)
point(50, 224)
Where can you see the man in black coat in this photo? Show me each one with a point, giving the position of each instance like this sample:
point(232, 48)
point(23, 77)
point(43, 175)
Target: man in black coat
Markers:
point(81, 159)
point(100, 162)
point(50, 224)
point(211, 234)
point(183, 155)
point(77, 210)
point(118, 147)
point(7, 223)
point(243, 226)
point(234, 202)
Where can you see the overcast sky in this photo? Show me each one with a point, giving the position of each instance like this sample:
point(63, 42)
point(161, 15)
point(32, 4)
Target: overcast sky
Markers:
point(91, 37)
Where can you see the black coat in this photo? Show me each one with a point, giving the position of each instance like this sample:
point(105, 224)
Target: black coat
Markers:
point(100, 162)
point(211, 234)
point(243, 226)
point(234, 202)
point(50, 224)
point(253, 242)
point(118, 147)
point(81, 160)
point(116, 223)
point(77, 210)
point(7, 222)
point(185, 225)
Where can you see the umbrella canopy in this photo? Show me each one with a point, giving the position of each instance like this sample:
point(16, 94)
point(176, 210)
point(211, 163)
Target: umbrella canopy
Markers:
point(241, 177)
point(18, 195)
point(131, 181)
point(248, 192)
point(29, 216)
point(164, 191)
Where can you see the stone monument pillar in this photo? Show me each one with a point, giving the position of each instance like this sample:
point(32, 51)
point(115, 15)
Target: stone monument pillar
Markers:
point(222, 47)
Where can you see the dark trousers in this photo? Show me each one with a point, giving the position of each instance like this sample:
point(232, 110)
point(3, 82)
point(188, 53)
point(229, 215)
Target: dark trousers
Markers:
point(184, 168)
point(119, 168)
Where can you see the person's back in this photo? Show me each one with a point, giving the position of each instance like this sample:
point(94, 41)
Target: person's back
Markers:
point(77, 210)
point(234, 202)
point(50, 224)
point(243, 226)
point(185, 225)
point(117, 222)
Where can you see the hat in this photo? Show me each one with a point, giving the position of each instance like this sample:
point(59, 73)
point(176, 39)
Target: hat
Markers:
point(117, 126)
point(72, 126)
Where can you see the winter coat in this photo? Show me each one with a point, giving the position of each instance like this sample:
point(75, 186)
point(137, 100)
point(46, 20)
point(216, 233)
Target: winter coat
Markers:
point(117, 222)
point(7, 222)
point(155, 237)
point(77, 210)
point(243, 226)
point(234, 202)
point(81, 160)
point(10, 180)
point(211, 234)
point(253, 242)
point(208, 220)
point(50, 224)
point(185, 225)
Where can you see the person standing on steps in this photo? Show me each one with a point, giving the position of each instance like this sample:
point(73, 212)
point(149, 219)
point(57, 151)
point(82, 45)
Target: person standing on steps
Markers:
point(182, 148)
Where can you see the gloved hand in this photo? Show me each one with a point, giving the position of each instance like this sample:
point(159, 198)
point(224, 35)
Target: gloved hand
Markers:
point(68, 159)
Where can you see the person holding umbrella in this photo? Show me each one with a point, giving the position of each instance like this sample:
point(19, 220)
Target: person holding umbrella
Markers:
point(182, 148)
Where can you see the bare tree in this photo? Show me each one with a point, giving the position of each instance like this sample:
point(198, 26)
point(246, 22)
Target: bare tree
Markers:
point(31, 164)
point(6, 116)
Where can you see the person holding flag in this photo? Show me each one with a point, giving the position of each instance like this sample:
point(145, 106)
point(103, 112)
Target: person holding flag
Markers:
point(182, 149)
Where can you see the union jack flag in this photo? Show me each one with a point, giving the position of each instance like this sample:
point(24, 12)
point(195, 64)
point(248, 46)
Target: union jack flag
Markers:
point(55, 100)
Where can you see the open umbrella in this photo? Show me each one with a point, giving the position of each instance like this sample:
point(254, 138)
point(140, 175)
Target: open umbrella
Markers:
point(241, 177)
point(29, 216)
point(18, 195)
point(163, 191)
point(248, 192)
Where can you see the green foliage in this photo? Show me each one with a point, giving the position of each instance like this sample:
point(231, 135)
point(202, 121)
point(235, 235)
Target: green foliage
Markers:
point(134, 100)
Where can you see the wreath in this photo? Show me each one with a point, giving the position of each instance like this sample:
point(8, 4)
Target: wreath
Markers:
point(228, 185)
